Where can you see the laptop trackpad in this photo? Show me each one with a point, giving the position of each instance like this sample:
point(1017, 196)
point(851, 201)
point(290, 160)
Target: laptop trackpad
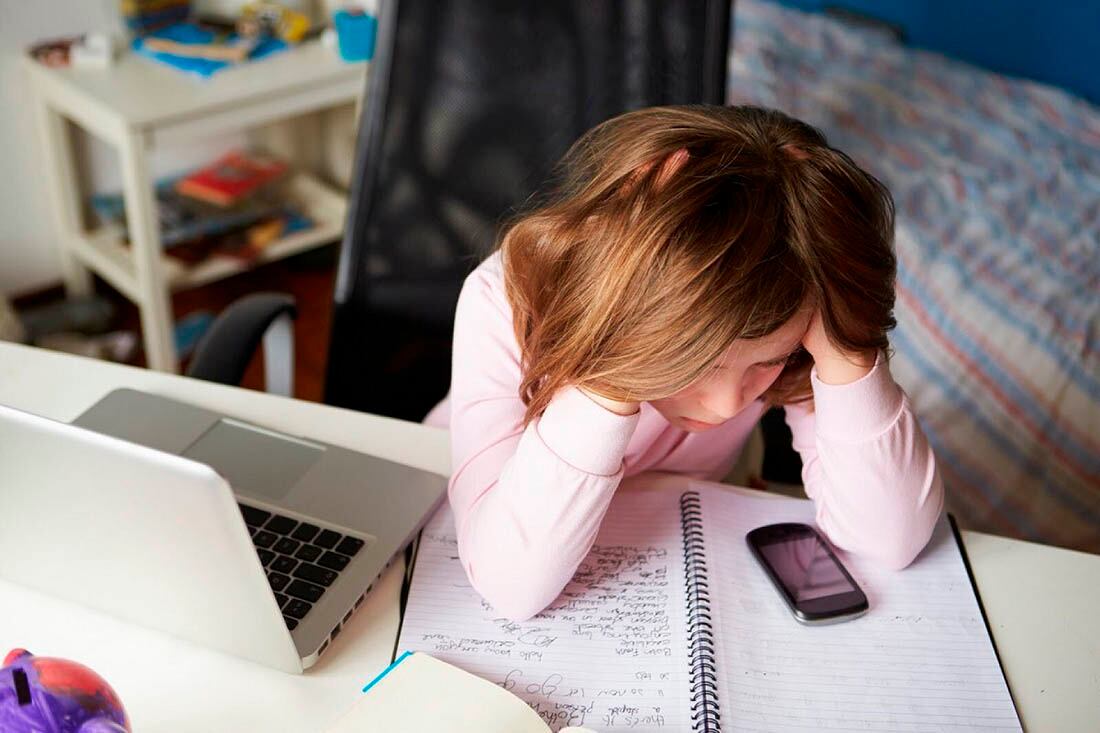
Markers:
point(254, 460)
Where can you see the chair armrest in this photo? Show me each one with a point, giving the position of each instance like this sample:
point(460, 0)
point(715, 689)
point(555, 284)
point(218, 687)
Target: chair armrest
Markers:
point(226, 349)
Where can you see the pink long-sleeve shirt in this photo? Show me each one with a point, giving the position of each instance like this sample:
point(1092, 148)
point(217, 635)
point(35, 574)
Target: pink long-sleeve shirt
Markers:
point(528, 501)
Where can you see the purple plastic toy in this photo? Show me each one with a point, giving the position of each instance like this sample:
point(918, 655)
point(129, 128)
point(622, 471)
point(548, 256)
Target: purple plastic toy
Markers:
point(49, 695)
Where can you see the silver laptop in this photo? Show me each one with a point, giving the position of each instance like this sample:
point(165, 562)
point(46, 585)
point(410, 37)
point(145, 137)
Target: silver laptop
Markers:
point(237, 537)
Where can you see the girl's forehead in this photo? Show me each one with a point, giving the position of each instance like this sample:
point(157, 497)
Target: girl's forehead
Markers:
point(775, 345)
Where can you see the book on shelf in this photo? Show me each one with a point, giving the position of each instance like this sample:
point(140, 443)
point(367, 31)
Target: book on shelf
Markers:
point(193, 230)
point(181, 218)
point(232, 178)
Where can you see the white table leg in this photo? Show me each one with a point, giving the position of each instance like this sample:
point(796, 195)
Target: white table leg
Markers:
point(141, 219)
point(64, 188)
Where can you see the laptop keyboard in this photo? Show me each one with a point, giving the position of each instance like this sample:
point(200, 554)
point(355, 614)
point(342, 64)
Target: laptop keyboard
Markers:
point(301, 559)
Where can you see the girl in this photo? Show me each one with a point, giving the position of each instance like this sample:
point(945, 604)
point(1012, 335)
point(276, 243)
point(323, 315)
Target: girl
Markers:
point(696, 266)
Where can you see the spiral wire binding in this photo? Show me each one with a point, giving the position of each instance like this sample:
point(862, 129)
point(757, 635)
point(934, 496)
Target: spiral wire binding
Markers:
point(705, 717)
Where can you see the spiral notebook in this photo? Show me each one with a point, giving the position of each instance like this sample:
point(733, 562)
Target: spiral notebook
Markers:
point(670, 625)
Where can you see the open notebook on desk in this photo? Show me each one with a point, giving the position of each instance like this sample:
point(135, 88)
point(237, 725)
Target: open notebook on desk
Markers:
point(669, 624)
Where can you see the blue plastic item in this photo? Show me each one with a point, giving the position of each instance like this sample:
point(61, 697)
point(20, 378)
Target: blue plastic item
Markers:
point(189, 331)
point(355, 35)
point(192, 34)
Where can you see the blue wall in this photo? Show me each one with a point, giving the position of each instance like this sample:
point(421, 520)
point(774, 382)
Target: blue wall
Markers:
point(1057, 41)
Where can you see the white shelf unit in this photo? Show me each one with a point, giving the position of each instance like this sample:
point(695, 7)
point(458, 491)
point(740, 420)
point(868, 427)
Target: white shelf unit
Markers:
point(138, 104)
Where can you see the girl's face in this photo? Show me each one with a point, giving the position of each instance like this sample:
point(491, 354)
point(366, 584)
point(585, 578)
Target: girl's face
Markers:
point(744, 373)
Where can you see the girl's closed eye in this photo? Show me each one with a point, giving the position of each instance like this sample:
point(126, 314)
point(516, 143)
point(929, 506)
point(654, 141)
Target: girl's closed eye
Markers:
point(773, 362)
point(781, 361)
point(770, 364)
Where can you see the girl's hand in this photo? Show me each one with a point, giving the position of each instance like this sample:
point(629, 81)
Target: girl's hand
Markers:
point(833, 365)
point(619, 408)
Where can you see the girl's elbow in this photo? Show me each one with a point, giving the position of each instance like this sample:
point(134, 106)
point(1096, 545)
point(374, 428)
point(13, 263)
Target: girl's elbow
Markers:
point(516, 609)
point(904, 545)
point(517, 588)
point(516, 600)
point(892, 542)
point(915, 525)
point(901, 554)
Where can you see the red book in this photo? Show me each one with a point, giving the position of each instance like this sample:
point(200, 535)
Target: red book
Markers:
point(231, 178)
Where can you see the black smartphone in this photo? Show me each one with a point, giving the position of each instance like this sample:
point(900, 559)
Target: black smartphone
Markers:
point(806, 572)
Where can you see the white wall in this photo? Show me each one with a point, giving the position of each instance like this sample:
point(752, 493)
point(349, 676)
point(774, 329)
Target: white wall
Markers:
point(28, 254)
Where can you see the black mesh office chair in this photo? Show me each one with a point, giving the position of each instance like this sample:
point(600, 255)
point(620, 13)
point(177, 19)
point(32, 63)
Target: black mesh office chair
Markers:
point(469, 105)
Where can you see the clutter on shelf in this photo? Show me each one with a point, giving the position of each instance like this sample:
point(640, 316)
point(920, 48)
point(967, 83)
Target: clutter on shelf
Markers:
point(206, 45)
point(355, 32)
point(272, 19)
point(171, 32)
point(94, 51)
point(119, 346)
point(203, 51)
point(145, 16)
point(90, 315)
point(89, 50)
point(54, 52)
point(87, 326)
point(80, 325)
point(235, 208)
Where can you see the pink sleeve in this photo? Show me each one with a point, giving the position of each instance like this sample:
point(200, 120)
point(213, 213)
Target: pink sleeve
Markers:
point(527, 502)
point(868, 467)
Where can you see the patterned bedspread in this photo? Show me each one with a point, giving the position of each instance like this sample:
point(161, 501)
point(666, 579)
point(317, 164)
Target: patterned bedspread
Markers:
point(997, 186)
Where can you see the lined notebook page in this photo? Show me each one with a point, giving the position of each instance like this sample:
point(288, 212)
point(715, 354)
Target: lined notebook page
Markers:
point(609, 653)
point(919, 660)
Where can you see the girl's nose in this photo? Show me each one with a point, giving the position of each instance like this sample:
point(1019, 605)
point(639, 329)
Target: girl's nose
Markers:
point(723, 401)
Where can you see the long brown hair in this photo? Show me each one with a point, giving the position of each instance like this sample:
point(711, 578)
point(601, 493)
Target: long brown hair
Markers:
point(631, 282)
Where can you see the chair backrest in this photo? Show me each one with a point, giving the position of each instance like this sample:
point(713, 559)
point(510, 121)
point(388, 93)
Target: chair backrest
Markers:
point(469, 106)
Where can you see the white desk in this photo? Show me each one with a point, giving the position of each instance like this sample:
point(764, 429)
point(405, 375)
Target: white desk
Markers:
point(1041, 601)
point(139, 103)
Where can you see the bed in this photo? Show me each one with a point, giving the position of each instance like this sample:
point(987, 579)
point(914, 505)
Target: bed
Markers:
point(997, 186)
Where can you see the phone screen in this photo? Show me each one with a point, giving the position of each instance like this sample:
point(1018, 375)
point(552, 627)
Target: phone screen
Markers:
point(805, 567)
